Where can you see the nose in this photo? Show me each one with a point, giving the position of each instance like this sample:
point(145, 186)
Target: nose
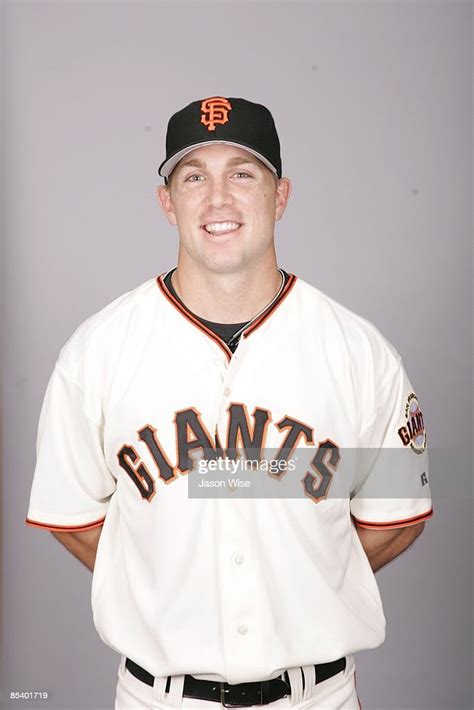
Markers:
point(219, 194)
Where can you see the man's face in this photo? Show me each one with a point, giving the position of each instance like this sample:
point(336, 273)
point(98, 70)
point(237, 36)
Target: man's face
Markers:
point(224, 202)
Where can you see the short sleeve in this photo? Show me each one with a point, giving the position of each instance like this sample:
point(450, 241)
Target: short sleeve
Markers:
point(391, 488)
point(72, 484)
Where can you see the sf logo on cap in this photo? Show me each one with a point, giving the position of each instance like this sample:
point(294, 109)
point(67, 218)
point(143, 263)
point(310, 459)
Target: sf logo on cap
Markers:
point(215, 110)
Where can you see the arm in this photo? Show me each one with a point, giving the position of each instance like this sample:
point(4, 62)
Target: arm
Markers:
point(382, 546)
point(82, 545)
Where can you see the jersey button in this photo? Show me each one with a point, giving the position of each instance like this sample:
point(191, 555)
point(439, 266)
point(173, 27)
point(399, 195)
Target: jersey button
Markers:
point(242, 629)
point(226, 391)
point(238, 559)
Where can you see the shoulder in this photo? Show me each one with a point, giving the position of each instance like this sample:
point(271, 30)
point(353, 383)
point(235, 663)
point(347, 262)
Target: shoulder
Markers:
point(340, 328)
point(100, 336)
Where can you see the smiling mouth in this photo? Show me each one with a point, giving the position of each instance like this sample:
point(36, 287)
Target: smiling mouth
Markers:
point(221, 227)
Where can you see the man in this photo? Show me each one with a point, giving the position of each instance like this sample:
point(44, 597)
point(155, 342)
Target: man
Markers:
point(218, 600)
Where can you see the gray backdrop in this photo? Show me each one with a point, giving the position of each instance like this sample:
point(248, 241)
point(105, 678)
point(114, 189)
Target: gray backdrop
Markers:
point(372, 102)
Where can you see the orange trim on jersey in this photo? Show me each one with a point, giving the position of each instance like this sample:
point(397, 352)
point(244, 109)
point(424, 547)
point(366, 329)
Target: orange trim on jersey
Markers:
point(190, 316)
point(195, 321)
point(394, 523)
point(286, 290)
point(65, 528)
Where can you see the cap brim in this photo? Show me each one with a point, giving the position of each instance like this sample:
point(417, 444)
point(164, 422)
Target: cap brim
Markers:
point(167, 166)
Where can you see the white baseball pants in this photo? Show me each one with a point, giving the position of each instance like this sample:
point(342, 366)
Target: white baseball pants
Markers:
point(336, 693)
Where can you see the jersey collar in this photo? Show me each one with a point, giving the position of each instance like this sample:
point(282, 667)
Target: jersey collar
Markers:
point(251, 326)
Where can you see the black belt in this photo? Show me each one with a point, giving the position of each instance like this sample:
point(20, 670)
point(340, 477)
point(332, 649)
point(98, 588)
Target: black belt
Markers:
point(242, 694)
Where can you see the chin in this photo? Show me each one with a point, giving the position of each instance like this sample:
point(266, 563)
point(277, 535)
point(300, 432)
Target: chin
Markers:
point(226, 263)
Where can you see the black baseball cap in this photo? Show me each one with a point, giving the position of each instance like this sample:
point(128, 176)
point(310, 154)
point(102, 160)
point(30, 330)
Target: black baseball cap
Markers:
point(218, 119)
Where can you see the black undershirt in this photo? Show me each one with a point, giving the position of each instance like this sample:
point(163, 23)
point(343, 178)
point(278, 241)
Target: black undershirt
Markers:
point(225, 331)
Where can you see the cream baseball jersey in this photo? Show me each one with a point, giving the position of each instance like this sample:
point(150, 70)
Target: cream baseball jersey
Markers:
point(226, 589)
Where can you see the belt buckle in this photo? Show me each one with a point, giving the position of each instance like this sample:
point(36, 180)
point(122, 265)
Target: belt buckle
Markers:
point(233, 705)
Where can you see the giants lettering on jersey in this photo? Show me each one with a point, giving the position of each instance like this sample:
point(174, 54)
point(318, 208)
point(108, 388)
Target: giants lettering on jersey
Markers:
point(413, 433)
point(193, 435)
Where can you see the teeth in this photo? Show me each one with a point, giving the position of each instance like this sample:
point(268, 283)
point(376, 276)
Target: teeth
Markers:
point(221, 226)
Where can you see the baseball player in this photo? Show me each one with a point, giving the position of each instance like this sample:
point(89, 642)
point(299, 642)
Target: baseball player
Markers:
point(220, 600)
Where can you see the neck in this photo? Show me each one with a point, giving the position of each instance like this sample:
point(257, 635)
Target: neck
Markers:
point(227, 297)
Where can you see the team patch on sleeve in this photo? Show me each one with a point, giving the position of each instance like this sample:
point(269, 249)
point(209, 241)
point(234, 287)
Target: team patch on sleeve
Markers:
point(413, 433)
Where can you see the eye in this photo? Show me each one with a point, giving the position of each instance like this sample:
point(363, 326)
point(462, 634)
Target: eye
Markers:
point(242, 174)
point(194, 178)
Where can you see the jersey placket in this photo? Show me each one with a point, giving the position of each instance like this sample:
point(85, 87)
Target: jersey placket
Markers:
point(242, 615)
point(238, 572)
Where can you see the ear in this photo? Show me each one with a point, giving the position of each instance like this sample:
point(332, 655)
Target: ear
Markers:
point(163, 194)
point(282, 195)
